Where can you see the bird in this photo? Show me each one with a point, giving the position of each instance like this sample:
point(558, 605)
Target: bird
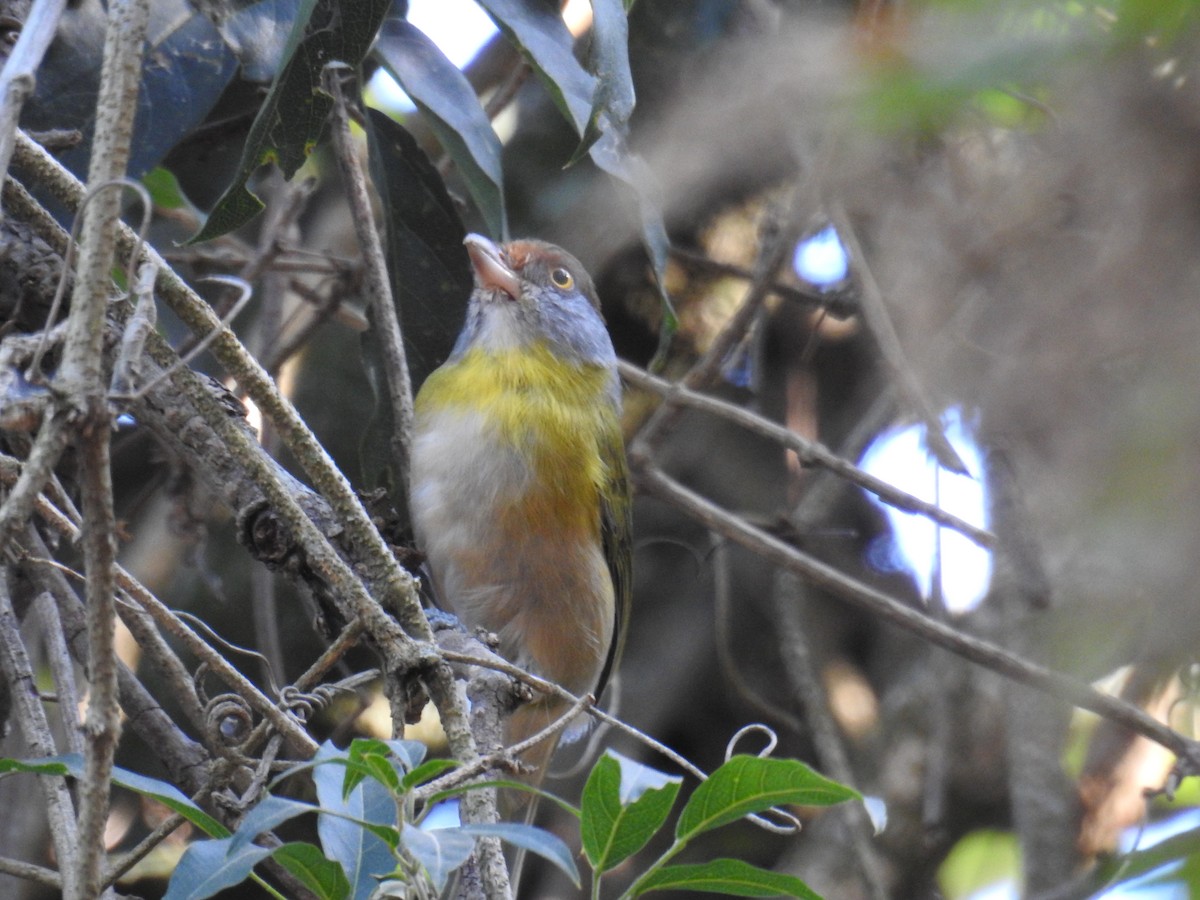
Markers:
point(519, 488)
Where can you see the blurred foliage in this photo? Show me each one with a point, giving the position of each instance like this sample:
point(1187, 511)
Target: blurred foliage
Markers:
point(980, 860)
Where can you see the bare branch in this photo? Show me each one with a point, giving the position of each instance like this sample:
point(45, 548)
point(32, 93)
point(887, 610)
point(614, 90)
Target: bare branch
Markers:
point(887, 608)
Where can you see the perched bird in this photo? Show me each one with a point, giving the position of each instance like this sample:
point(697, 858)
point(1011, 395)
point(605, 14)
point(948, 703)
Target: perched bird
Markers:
point(519, 488)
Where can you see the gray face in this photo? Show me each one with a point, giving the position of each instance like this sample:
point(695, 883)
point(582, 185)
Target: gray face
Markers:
point(528, 291)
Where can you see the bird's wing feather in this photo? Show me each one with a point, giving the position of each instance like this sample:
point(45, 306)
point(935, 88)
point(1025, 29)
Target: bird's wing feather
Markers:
point(616, 533)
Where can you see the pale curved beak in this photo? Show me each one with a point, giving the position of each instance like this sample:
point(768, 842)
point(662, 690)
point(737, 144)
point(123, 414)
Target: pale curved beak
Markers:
point(491, 272)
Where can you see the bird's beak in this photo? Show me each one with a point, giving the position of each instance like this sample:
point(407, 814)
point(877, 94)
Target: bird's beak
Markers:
point(491, 272)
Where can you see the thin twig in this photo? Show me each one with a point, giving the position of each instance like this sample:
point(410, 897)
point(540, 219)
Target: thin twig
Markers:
point(394, 588)
point(245, 292)
point(705, 370)
point(805, 683)
point(376, 284)
point(61, 670)
point(986, 654)
point(730, 669)
point(126, 861)
point(28, 712)
point(836, 302)
point(177, 628)
point(81, 379)
point(184, 759)
point(811, 453)
point(43, 456)
point(390, 584)
point(876, 316)
point(17, 77)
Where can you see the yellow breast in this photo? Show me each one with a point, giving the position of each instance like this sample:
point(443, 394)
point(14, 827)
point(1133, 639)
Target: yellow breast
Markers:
point(538, 423)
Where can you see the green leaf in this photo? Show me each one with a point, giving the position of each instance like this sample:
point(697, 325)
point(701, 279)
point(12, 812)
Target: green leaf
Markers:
point(609, 56)
point(979, 860)
point(449, 103)
point(731, 877)
point(439, 850)
point(535, 840)
point(427, 262)
point(207, 867)
point(751, 784)
point(293, 115)
point(266, 815)
point(624, 805)
point(324, 877)
point(164, 188)
point(381, 768)
point(1184, 846)
point(71, 764)
point(425, 772)
point(539, 34)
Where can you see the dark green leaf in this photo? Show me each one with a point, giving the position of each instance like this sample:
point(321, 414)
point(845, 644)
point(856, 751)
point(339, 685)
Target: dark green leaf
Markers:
point(751, 784)
point(208, 867)
point(610, 63)
point(447, 99)
point(428, 265)
point(1183, 846)
point(71, 764)
point(258, 33)
point(731, 877)
point(324, 877)
point(439, 850)
point(294, 113)
point(186, 68)
point(535, 840)
point(624, 804)
point(538, 32)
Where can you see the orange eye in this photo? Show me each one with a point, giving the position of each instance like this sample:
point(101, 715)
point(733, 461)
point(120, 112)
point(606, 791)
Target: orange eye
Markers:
point(562, 279)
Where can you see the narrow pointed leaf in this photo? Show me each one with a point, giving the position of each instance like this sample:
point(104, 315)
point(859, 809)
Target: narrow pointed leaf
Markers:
point(71, 764)
point(731, 877)
point(538, 32)
point(535, 840)
point(610, 62)
point(186, 68)
point(207, 867)
point(293, 115)
point(750, 784)
point(425, 772)
point(449, 103)
point(427, 263)
point(439, 850)
point(268, 814)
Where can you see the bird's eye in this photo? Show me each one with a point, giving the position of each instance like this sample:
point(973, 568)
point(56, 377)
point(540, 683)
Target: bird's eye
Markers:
point(562, 279)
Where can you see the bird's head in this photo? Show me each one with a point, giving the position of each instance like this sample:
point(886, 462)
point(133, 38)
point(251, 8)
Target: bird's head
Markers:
point(531, 293)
